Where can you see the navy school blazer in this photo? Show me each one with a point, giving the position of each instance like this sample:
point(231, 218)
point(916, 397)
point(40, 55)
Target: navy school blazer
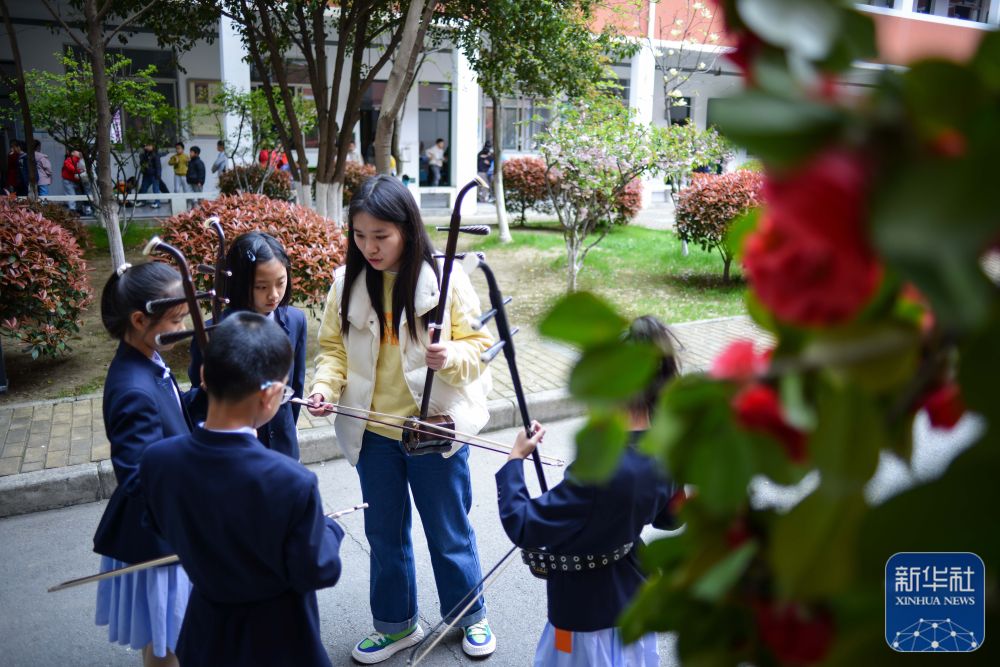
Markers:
point(140, 408)
point(250, 532)
point(278, 434)
point(584, 519)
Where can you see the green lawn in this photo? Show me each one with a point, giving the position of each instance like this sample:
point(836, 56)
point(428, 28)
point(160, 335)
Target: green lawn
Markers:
point(641, 270)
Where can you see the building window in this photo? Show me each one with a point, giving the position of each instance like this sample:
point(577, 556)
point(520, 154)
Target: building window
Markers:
point(969, 10)
point(521, 120)
point(298, 81)
point(434, 123)
point(887, 4)
point(679, 112)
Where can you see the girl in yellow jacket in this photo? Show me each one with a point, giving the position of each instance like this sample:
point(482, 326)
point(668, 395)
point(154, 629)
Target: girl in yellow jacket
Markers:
point(374, 354)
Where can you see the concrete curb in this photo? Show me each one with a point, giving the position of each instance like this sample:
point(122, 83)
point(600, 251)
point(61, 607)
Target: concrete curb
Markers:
point(89, 482)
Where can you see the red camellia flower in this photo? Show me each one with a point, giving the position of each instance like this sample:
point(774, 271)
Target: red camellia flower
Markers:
point(758, 409)
point(795, 634)
point(809, 261)
point(739, 362)
point(944, 405)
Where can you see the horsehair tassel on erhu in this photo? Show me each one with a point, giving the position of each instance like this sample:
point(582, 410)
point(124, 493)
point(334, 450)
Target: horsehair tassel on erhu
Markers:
point(163, 560)
point(220, 272)
point(191, 297)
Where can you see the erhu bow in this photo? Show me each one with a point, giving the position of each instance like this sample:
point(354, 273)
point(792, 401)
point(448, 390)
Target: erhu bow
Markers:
point(422, 434)
point(162, 560)
point(190, 296)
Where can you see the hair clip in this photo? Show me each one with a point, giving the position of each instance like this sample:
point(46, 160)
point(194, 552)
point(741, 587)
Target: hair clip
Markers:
point(251, 256)
point(122, 269)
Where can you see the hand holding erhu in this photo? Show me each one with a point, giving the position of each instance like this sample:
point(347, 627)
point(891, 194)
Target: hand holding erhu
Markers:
point(426, 440)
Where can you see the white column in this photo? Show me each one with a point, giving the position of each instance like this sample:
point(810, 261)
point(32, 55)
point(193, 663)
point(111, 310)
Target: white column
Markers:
point(234, 71)
point(642, 86)
point(464, 129)
point(993, 15)
point(904, 5)
point(409, 140)
point(939, 8)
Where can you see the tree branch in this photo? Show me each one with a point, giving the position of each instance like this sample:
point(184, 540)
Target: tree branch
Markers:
point(127, 21)
point(58, 17)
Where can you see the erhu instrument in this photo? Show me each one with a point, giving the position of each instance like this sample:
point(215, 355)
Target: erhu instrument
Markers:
point(217, 293)
point(423, 434)
point(161, 561)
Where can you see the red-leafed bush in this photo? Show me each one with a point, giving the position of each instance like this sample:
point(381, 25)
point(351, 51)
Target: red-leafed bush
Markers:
point(62, 216)
point(43, 280)
point(524, 185)
point(246, 179)
point(314, 244)
point(628, 202)
point(355, 173)
point(707, 207)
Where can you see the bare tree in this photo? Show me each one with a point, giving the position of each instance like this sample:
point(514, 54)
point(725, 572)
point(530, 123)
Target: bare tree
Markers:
point(691, 29)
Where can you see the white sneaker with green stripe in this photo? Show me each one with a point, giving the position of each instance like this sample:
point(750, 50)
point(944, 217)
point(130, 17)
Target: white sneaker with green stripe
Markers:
point(377, 646)
point(479, 641)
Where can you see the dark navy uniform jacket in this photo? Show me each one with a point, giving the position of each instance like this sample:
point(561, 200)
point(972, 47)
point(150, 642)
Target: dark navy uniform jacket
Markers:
point(278, 434)
point(578, 519)
point(140, 408)
point(248, 526)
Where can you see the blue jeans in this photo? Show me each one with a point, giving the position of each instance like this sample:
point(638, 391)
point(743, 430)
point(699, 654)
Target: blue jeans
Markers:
point(442, 491)
point(148, 182)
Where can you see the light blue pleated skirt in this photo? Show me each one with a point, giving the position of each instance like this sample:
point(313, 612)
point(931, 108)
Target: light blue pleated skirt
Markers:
point(144, 607)
point(602, 647)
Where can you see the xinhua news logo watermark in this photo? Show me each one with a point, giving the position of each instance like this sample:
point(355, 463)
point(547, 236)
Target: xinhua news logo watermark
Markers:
point(934, 602)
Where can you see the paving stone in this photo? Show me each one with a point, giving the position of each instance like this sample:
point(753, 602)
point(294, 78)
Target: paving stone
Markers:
point(56, 459)
point(15, 436)
point(13, 449)
point(35, 454)
point(31, 466)
point(10, 465)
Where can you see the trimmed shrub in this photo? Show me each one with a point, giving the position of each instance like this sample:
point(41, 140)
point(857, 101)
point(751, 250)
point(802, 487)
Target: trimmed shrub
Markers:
point(315, 246)
point(43, 279)
point(62, 216)
point(355, 174)
point(707, 207)
point(524, 185)
point(246, 179)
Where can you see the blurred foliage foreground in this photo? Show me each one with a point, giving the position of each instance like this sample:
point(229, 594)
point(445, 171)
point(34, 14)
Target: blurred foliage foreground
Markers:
point(865, 262)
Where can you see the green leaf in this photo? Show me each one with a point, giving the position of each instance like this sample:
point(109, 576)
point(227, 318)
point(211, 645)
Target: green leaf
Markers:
point(599, 445)
point(978, 368)
point(583, 319)
point(813, 547)
point(855, 42)
point(931, 222)
point(929, 82)
point(662, 553)
point(780, 131)
point(721, 463)
point(845, 447)
point(987, 59)
point(739, 229)
point(715, 583)
point(806, 27)
point(615, 371)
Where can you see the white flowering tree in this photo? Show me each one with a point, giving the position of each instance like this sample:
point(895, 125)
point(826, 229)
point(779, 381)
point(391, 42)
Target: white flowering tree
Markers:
point(693, 31)
point(687, 148)
point(594, 149)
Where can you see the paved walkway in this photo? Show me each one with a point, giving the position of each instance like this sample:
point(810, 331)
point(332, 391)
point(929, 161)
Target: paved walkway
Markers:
point(49, 445)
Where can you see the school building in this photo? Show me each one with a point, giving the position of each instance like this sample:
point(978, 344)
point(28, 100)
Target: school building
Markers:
point(446, 102)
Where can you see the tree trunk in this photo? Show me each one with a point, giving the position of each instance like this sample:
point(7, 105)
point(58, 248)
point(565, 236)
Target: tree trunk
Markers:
point(106, 206)
point(321, 198)
point(503, 226)
point(726, 262)
point(396, 152)
point(335, 202)
point(22, 96)
point(401, 78)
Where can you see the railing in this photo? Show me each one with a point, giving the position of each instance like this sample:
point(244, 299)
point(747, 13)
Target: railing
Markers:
point(175, 202)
